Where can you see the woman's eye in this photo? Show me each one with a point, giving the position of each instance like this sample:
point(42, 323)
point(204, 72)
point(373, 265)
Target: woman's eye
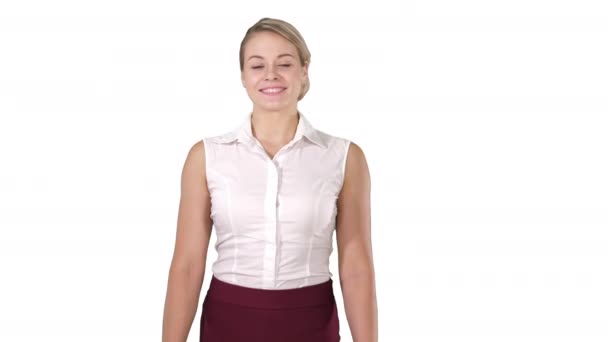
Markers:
point(261, 66)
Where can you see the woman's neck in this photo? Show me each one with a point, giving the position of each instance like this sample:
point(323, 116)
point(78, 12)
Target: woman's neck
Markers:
point(274, 127)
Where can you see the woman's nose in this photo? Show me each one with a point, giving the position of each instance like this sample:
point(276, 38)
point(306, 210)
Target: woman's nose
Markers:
point(271, 75)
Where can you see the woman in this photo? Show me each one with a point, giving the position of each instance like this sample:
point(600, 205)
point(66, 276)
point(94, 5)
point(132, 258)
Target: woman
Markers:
point(275, 188)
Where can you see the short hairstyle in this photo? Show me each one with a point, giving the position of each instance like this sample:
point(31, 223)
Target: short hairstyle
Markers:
point(285, 30)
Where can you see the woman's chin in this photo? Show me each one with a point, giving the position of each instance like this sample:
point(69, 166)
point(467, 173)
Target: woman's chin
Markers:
point(272, 105)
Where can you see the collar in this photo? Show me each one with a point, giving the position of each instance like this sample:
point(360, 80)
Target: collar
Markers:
point(243, 132)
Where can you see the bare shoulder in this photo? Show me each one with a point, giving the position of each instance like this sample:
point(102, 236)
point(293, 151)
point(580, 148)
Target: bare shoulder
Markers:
point(198, 146)
point(197, 150)
point(193, 173)
point(193, 222)
point(355, 153)
point(353, 226)
point(356, 173)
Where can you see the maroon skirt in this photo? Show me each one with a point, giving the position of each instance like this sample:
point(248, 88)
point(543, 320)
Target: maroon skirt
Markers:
point(233, 313)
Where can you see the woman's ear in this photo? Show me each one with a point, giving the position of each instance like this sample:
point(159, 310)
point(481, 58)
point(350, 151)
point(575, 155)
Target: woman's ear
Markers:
point(305, 69)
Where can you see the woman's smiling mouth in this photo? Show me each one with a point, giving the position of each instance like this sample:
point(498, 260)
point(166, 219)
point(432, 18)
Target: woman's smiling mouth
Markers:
point(273, 91)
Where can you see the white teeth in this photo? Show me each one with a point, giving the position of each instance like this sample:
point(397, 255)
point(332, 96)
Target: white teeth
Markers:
point(272, 90)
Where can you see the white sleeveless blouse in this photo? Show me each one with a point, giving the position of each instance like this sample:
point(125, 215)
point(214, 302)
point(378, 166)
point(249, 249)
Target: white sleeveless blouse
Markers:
point(274, 218)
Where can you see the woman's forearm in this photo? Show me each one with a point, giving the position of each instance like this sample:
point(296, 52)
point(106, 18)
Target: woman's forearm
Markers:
point(361, 308)
point(183, 292)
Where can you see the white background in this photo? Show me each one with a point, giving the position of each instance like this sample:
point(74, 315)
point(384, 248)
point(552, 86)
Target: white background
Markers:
point(484, 124)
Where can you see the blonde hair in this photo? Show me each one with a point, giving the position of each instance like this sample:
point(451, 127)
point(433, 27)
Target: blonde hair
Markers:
point(285, 30)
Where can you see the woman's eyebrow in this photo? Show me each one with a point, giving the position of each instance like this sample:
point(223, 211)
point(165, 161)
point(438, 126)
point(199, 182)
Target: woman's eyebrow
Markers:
point(279, 56)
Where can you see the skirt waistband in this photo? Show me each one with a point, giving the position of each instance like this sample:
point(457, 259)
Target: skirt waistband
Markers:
point(313, 295)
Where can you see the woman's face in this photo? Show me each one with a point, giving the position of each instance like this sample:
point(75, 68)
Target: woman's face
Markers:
point(272, 73)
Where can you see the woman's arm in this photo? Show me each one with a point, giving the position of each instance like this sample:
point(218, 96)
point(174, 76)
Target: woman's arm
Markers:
point(190, 253)
point(355, 259)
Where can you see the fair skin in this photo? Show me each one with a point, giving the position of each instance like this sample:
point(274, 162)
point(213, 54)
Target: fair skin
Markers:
point(355, 256)
point(272, 61)
point(190, 253)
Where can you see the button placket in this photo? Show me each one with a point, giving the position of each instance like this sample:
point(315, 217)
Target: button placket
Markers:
point(272, 252)
point(270, 255)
